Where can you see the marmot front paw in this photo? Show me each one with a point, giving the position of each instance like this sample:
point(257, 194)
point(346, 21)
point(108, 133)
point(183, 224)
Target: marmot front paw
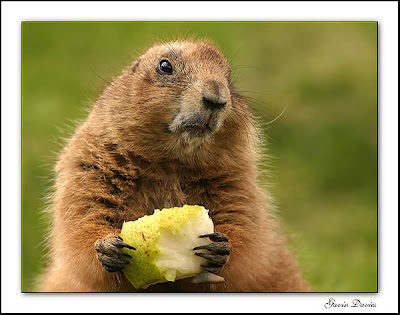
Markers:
point(110, 255)
point(220, 250)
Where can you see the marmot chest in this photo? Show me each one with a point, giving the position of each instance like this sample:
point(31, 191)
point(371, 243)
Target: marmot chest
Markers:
point(170, 192)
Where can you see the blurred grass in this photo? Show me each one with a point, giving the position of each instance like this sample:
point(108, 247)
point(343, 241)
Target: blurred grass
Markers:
point(323, 149)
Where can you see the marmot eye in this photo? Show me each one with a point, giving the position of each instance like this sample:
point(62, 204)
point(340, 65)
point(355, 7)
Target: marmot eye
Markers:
point(165, 67)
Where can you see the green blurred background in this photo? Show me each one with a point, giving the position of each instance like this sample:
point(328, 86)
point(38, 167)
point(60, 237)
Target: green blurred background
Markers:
point(322, 150)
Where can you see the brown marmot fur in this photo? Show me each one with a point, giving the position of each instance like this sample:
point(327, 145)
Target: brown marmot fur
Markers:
point(170, 130)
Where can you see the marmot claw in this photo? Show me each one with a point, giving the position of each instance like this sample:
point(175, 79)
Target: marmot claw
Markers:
point(110, 255)
point(220, 250)
point(216, 237)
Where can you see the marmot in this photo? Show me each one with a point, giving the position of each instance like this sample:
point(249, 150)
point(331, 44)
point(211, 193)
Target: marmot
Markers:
point(170, 130)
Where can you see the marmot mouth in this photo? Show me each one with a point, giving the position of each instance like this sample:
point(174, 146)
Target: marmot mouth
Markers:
point(200, 126)
point(197, 130)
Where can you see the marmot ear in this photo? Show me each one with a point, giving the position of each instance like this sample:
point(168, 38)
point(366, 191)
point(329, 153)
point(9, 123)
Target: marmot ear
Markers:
point(135, 65)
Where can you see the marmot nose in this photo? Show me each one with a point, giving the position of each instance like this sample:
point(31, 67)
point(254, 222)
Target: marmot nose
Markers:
point(214, 95)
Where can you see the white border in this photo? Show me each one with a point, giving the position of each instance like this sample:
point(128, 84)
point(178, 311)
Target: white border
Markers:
point(13, 13)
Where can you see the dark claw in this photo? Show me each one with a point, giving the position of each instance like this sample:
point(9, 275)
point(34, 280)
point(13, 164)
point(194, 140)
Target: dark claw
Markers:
point(212, 268)
point(111, 261)
point(120, 245)
point(216, 237)
point(218, 248)
point(214, 259)
point(126, 255)
point(112, 268)
point(120, 252)
point(111, 246)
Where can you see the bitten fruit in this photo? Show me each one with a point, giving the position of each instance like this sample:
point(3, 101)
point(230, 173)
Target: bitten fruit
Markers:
point(164, 245)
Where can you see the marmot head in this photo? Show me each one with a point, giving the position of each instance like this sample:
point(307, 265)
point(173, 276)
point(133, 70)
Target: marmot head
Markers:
point(177, 102)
